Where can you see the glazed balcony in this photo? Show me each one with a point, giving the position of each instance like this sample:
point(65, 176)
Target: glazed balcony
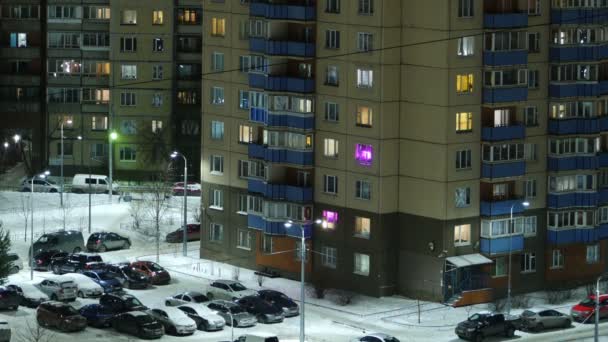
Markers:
point(294, 10)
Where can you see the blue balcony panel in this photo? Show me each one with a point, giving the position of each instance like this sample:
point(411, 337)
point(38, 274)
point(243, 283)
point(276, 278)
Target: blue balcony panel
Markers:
point(293, 121)
point(495, 208)
point(574, 126)
point(578, 53)
point(578, 89)
point(258, 115)
point(574, 199)
point(277, 227)
point(282, 83)
point(256, 151)
point(502, 245)
point(502, 170)
point(505, 20)
point(511, 94)
point(579, 16)
point(278, 155)
point(572, 163)
point(603, 123)
point(281, 48)
point(497, 58)
point(517, 131)
point(602, 159)
point(602, 196)
point(574, 235)
point(281, 11)
point(602, 232)
point(280, 191)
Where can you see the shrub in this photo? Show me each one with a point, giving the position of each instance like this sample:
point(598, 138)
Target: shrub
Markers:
point(341, 297)
point(559, 296)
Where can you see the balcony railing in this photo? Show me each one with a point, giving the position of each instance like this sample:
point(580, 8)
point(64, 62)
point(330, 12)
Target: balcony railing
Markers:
point(290, 193)
point(280, 155)
point(282, 11)
point(501, 207)
point(574, 126)
point(572, 163)
point(282, 83)
point(573, 16)
point(498, 58)
point(574, 199)
point(576, 235)
point(511, 132)
point(505, 20)
point(502, 245)
point(503, 169)
point(578, 89)
point(277, 226)
point(282, 48)
point(506, 94)
point(578, 53)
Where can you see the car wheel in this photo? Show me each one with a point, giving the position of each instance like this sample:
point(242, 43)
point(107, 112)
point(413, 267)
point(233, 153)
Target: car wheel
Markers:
point(53, 297)
point(77, 250)
point(567, 323)
point(511, 332)
point(478, 337)
point(49, 268)
point(80, 294)
point(25, 190)
point(205, 326)
point(539, 327)
point(126, 284)
point(261, 319)
point(210, 296)
point(14, 270)
point(235, 323)
point(102, 248)
point(55, 269)
point(127, 245)
point(53, 190)
point(167, 303)
point(14, 307)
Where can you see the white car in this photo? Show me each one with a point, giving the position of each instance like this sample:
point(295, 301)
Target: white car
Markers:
point(175, 321)
point(205, 318)
point(59, 288)
point(376, 337)
point(86, 286)
point(229, 290)
point(16, 263)
point(40, 185)
point(186, 298)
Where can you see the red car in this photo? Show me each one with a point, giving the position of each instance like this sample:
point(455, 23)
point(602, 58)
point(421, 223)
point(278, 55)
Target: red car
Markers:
point(193, 232)
point(586, 308)
point(157, 274)
point(193, 188)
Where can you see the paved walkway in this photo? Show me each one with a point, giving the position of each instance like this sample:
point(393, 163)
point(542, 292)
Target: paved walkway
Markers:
point(12, 176)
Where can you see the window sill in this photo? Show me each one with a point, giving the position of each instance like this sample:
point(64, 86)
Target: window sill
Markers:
point(467, 131)
point(498, 276)
point(363, 199)
point(331, 84)
point(242, 213)
point(216, 208)
point(331, 193)
point(361, 274)
point(244, 248)
point(556, 268)
point(331, 157)
point(462, 244)
point(363, 126)
point(216, 173)
point(333, 267)
point(464, 169)
point(528, 272)
point(366, 237)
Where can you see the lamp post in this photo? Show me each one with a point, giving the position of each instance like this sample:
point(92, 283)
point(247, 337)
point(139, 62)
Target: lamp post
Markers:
point(113, 136)
point(525, 204)
point(231, 325)
point(69, 122)
point(596, 332)
point(289, 224)
point(184, 229)
point(42, 175)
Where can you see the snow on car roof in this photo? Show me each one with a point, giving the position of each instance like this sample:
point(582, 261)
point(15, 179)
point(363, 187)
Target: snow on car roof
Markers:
point(226, 281)
point(82, 281)
point(137, 313)
point(59, 278)
point(199, 308)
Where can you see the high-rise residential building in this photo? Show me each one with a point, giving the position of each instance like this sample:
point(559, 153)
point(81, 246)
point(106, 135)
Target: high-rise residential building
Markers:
point(443, 145)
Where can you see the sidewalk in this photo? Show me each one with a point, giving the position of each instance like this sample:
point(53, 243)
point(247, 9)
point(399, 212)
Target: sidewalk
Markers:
point(12, 176)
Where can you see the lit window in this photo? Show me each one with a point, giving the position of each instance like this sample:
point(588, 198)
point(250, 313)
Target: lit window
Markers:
point(157, 99)
point(245, 134)
point(157, 45)
point(462, 235)
point(128, 72)
point(157, 17)
point(217, 130)
point(361, 264)
point(466, 46)
point(593, 254)
point(157, 126)
point(129, 17)
point(464, 83)
point(362, 227)
point(330, 218)
point(218, 27)
point(19, 40)
point(364, 154)
point(331, 77)
point(363, 190)
point(217, 95)
point(128, 154)
point(364, 116)
point(243, 99)
point(99, 123)
point(462, 197)
point(365, 78)
point(330, 148)
point(216, 232)
point(464, 122)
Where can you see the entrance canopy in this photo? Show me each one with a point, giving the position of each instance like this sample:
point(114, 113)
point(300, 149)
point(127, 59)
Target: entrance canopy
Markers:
point(468, 260)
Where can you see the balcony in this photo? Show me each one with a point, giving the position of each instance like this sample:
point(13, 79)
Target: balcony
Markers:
point(280, 191)
point(578, 53)
point(282, 48)
point(574, 90)
point(505, 20)
point(602, 196)
point(501, 207)
point(282, 11)
point(574, 126)
point(517, 131)
point(282, 83)
point(497, 58)
point(510, 94)
point(575, 199)
point(293, 121)
point(572, 163)
point(502, 245)
point(575, 235)
point(579, 16)
point(279, 155)
point(277, 227)
point(502, 170)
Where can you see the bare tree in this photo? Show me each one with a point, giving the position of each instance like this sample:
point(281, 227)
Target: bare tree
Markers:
point(136, 211)
point(67, 209)
point(25, 210)
point(33, 332)
point(196, 214)
point(156, 202)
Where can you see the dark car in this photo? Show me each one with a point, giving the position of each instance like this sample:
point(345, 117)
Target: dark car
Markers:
point(193, 233)
point(30, 299)
point(157, 274)
point(192, 189)
point(75, 263)
point(97, 315)
point(105, 280)
point(128, 276)
point(42, 259)
point(281, 302)
point(485, 324)
point(65, 240)
point(103, 241)
point(121, 302)
point(138, 323)
point(261, 309)
point(61, 316)
point(9, 298)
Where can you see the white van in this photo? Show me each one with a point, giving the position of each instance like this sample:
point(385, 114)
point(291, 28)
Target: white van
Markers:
point(85, 183)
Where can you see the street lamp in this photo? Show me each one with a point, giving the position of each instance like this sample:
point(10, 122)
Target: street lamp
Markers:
point(289, 224)
point(184, 229)
point(113, 136)
point(5, 145)
point(42, 175)
point(525, 204)
point(16, 138)
point(69, 122)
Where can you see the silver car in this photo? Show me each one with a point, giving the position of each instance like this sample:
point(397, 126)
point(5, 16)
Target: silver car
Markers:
point(59, 288)
point(229, 290)
point(185, 298)
point(40, 185)
point(544, 319)
point(233, 313)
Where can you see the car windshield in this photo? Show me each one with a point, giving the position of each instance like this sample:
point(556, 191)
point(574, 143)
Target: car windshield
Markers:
point(155, 267)
point(237, 287)
point(144, 319)
point(131, 272)
point(236, 309)
point(104, 276)
point(588, 302)
point(67, 311)
point(199, 298)
point(132, 301)
point(528, 313)
point(43, 239)
point(475, 317)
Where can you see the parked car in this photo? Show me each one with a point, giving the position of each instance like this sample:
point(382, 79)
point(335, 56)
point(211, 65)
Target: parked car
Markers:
point(584, 309)
point(192, 189)
point(185, 298)
point(233, 314)
point(96, 184)
point(281, 302)
point(229, 290)
point(539, 320)
point(105, 280)
point(30, 296)
point(258, 337)
point(61, 316)
point(138, 323)
point(121, 302)
point(193, 233)
point(104, 241)
point(59, 288)
point(174, 320)
point(16, 263)
point(9, 298)
point(157, 274)
point(204, 317)
point(485, 324)
point(64, 240)
point(40, 185)
point(42, 259)
point(87, 288)
point(261, 309)
point(76, 262)
point(97, 315)
point(128, 276)
point(376, 337)
point(5, 331)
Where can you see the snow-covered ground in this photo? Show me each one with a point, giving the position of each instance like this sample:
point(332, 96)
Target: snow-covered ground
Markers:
point(325, 321)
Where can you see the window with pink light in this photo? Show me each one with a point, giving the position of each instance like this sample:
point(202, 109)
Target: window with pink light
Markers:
point(364, 154)
point(330, 218)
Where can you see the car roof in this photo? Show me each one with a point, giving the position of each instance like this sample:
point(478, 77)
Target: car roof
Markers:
point(137, 313)
point(226, 281)
point(191, 293)
point(59, 278)
point(224, 302)
point(379, 335)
